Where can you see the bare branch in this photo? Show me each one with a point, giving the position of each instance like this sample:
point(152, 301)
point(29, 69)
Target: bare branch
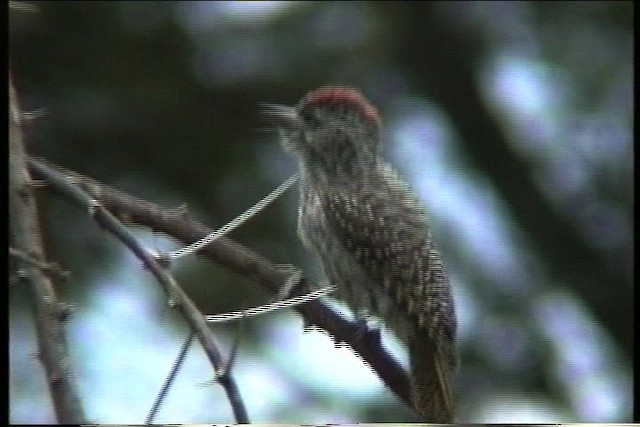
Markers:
point(27, 239)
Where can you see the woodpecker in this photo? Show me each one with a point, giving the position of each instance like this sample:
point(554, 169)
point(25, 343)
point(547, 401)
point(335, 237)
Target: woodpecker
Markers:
point(372, 235)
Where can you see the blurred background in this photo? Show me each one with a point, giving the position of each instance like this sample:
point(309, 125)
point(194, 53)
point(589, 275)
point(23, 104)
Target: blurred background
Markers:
point(511, 120)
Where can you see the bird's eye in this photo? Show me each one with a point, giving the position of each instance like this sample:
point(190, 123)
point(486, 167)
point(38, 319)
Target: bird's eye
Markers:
point(310, 116)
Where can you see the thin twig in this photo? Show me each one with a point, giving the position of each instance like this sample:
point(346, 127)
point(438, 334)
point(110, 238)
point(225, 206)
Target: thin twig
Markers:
point(173, 373)
point(287, 303)
point(236, 222)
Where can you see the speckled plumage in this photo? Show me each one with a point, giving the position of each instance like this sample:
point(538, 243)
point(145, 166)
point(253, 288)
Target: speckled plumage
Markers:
point(373, 237)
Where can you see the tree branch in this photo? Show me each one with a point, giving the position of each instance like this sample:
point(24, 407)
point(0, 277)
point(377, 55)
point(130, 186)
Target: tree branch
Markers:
point(48, 311)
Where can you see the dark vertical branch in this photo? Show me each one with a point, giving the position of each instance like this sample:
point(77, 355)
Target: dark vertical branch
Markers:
point(49, 312)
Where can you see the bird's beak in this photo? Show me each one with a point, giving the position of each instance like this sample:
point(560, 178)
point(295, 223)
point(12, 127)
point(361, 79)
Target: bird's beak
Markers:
point(281, 115)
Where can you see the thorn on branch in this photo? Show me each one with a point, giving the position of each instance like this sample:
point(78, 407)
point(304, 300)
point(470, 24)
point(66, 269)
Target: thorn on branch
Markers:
point(49, 268)
point(180, 211)
point(94, 205)
point(32, 116)
point(65, 310)
point(162, 258)
point(38, 183)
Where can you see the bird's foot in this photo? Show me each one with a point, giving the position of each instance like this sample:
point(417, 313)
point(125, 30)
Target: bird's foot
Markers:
point(367, 330)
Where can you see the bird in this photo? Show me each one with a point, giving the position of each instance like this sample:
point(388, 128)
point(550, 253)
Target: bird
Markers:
point(372, 235)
